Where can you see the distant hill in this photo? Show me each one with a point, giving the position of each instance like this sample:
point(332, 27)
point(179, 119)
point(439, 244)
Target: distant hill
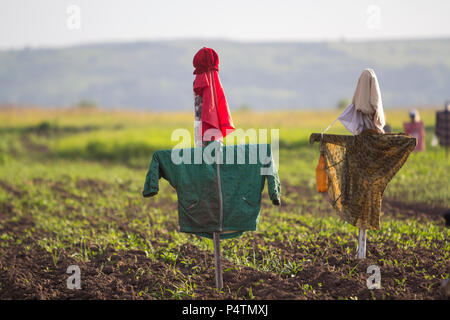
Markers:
point(158, 75)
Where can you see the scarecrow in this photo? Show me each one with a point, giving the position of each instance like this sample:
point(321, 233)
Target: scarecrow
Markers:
point(416, 128)
point(220, 195)
point(442, 129)
point(359, 167)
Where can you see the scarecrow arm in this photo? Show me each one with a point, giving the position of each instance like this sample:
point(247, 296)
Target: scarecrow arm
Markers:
point(340, 140)
point(151, 186)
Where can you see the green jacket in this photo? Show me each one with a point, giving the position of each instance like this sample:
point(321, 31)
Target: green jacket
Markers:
point(215, 197)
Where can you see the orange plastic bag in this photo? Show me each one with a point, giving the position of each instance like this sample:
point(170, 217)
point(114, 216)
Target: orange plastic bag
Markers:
point(321, 175)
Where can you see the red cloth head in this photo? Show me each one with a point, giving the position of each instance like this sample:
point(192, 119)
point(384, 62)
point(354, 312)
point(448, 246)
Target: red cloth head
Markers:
point(215, 111)
point(205, 59)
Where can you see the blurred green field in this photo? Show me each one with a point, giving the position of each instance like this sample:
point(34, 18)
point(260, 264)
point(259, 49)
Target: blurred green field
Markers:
point(119, 138)
point(70, 183)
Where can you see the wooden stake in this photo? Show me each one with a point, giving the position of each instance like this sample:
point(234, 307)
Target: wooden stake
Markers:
point(217, 260)
point(362, 244)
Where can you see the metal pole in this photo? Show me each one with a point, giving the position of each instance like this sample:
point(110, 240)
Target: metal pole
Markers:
point(217, 260)
point(216, 235)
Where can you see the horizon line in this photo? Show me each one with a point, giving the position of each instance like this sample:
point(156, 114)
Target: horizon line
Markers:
point(227, 40)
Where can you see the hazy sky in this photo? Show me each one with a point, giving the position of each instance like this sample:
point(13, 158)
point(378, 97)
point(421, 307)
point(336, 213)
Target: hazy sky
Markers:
point(67, 22)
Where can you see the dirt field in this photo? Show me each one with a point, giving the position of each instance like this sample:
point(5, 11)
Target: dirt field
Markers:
point(70, 194)
point(29, 272)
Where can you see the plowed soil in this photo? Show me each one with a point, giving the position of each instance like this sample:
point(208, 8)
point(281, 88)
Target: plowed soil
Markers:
point(29, 272)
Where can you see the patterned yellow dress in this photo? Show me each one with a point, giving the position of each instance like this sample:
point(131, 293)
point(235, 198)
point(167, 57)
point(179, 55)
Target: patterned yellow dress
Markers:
point(359, 168)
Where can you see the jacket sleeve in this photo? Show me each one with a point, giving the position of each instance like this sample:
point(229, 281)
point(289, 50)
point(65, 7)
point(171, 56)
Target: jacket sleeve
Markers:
point(161, 166)
point(274, 188)
point(273, 181)
point(151, 186)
